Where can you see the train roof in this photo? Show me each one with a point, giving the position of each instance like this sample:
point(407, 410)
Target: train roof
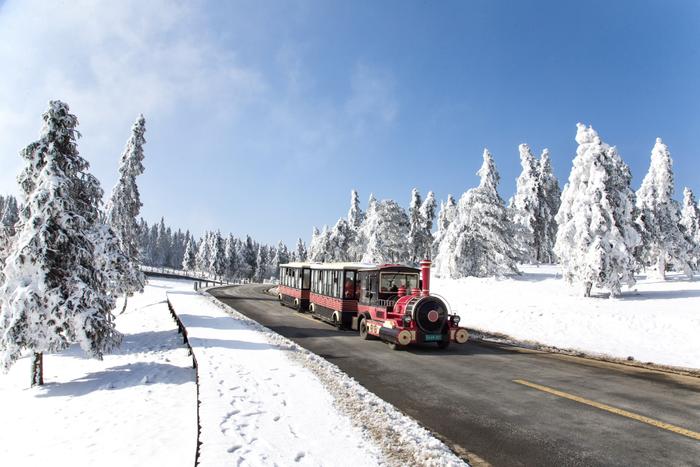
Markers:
point(363, 267)
point(338, 266)
point(296, 265)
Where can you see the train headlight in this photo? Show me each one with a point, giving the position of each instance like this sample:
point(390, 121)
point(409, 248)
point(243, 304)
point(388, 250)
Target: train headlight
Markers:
point(406, 320)
point(455, 320)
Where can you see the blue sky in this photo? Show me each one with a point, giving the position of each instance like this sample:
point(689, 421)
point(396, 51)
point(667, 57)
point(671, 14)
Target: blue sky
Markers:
point(262, 116)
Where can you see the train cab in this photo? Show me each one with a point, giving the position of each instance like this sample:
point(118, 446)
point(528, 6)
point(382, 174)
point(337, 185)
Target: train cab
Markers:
point(295, 285)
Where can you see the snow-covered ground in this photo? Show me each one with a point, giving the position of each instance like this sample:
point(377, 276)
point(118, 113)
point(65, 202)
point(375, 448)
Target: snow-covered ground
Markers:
point(267, 401)
point(136, 407)
point(657, 321)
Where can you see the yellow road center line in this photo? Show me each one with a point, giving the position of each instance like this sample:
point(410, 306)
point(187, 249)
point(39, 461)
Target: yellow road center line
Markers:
point(615, 410)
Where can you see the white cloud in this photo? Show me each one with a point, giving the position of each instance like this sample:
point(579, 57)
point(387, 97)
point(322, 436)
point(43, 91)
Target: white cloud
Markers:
point(110, 61)
point(373, 98)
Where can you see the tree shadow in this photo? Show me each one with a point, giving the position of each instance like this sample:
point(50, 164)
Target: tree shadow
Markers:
point(232, 344)
point(121, 377)
point(660, 295)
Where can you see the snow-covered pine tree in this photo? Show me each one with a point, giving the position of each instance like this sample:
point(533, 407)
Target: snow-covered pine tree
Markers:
point(416, 238)
point(596, 236)
point(657, 218)
point(478, 241)
point(282, 256)
point(301, 253)
point(249, 254)
point(261, 264)
point(203, 258)
point(525, 206)
point(549, 200)
point(355, 218)
point(10, 215)
point(340, 241)
point(123, 208)
point(427, 212)
point(355, 214)
point(690, 222)
point(189, 262)
point(448, 211)
point(387, 226)
point(53, 294)
point(217, 258)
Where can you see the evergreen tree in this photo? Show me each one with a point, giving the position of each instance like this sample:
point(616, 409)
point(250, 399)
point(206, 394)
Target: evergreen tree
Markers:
point(123, 208)
point(416, 232)
point(53, 292)
point(663, 242)
point(249, 256)
point(525, 207)
point(301, 253)
point(261, 262)
point(282, 256)
point(448, 212)
point(203, 258)
point(189, 262)
point(217, 257)
point(355, 214)
point(231, 256)
point(690, 222)
point(549, 200)
point(340, 240)
point(10, 215)
point(478, 240)
point(596, 236)
point(387, 226)
point(427, 212)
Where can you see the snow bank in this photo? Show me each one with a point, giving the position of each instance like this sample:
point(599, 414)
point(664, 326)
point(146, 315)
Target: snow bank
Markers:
point(136, 407)
point(268, 401)
point(655, 322)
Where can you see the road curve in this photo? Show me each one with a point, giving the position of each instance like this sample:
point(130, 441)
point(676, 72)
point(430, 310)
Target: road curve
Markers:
point(469, 396)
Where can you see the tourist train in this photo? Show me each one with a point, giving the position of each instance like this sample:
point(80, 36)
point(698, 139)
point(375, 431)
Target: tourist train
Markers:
point(391, 302)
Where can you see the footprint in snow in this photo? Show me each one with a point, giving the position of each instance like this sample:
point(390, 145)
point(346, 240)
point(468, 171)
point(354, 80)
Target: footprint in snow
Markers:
point(299, 456)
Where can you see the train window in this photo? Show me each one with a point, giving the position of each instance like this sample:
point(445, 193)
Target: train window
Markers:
point(390, 282)
point(349, 285)
point(306, 279)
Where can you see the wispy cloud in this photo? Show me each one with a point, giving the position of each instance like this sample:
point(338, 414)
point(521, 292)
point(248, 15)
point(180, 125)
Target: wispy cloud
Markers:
point(110, 61)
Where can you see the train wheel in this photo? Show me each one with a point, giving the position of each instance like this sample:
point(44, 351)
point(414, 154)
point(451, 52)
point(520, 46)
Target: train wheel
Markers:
point(443, 344)
point(364, 331)
point(394, 346)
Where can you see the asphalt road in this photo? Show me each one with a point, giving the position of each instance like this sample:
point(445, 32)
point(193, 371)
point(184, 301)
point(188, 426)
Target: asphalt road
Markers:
point(469, 397)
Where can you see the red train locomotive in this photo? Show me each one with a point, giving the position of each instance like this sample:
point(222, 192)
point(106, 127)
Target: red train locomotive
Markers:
point(390, 302)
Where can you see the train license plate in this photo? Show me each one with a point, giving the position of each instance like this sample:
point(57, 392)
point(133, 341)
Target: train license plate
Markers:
point(432, 337)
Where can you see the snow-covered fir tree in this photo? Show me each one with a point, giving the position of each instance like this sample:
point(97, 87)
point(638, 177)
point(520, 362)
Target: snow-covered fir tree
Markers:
point(203, 257)
point(448, 211)
point(340, 241)
point(301, 253)
point(427, 212)
point(282, 256)
point(123, 209)
point(319, 249)
point(478, 240)
point(549, 200)
point(189, 262)
point(262, 259)
point(249, 255)
point(231, 258)
point(10, 215)
point(525, 207)
point(596, 237)
point(657, 218)
point(356, 245)
point(217, 258)
point(417, 236)
point(387, 226)
point(53, 292)
point(355, 214)
point(690, 222)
